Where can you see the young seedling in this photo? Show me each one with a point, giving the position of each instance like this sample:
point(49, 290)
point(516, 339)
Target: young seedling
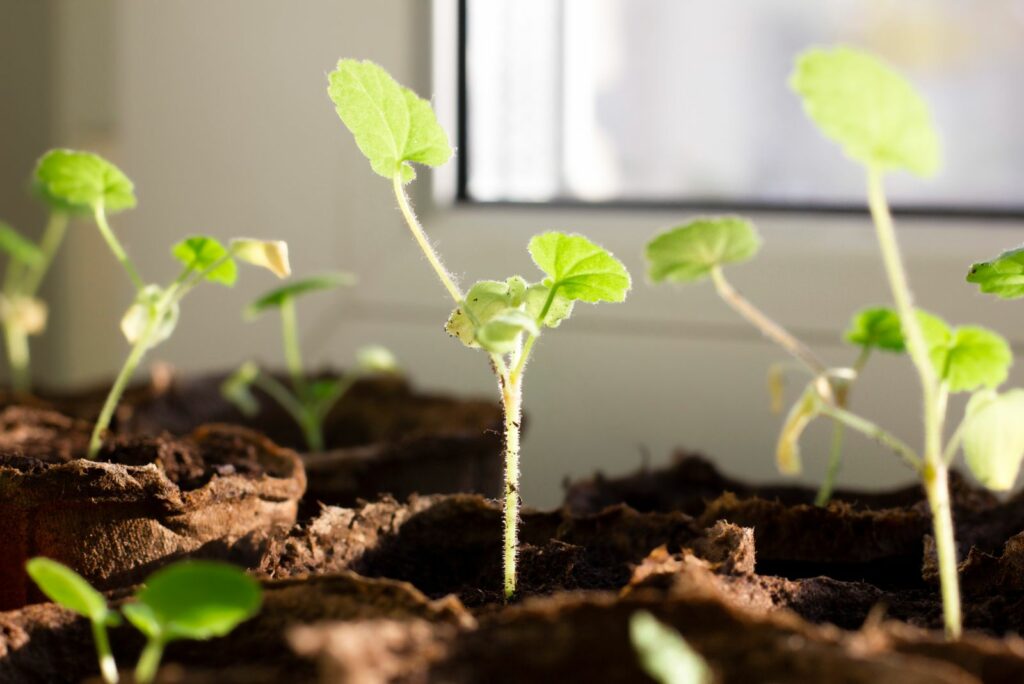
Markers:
point(22, 313)
point(85, 179)
point(63, 585)
point(394, 128)
point(196, 600)
point(699, 250)
point(664, 655)
point(307, 400)
point(882, 123)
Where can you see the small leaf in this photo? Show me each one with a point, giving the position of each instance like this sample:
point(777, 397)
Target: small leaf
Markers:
point(20, 248)
point(993, 437)
point(500, 334)
point(238, 389)
point(199, 599)
point(560, 309)
point(876, 328)
point(269, 254)
point(74, 180)
point(275, 298)
point(391, 124)
point(144, 309)
point(787, 451)
point(200, 252)
point(689, 252)
point(664, 654)
point(579, 269)
point(63, 585)
point(1002, 276)
point(374, 358)
point(485, 300)
point(143, 619)
point(970, 357)
point(873, 112)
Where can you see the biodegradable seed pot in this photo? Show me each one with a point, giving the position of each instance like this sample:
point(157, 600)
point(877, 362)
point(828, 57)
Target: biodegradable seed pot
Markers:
point(143, 502)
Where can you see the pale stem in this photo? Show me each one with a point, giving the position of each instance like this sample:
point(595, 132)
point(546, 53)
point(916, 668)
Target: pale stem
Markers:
point(835, 464)
point(421, 239)
point(933, 399)
point(292, 350)
point(120, 383)
point(108, 668)
point(872, 431)
point(56, 227)
point(115, 247)
point(149, 661)
point(511, 397)
point(300, 414)
point(18, 356)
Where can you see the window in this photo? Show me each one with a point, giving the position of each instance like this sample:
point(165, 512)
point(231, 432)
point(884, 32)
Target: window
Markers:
point(661, 101)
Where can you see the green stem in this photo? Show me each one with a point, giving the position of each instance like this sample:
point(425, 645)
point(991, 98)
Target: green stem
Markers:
point(292, 350)
point(300, 414)
point(138, 351)
point(18, 357)
point(108, 667)
point(835, 464)
point(421, 239)
point(115, 246)
point(512, 397)
point(872, 431)
point(53, 236)
point(933, 400)
point(149, 661)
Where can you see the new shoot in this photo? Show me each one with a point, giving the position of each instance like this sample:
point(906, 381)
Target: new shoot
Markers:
point(664, 655)
point(89, 180)
point(393, 127)
point(308, 400)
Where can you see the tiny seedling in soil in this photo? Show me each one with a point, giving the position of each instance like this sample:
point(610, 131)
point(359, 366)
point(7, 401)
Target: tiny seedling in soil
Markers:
point(395, 128)
point(196, 600)
point(22, 313)
point(881, 122)
point(309, 400)
point(664, 655)
point(86, 179)
point(699, 250)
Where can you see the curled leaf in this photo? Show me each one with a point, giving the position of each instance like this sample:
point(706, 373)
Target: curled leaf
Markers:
point(1002, 276)
point(269, 254)
point(501, 333)
point(787, 451)
point(993, 437)
point(689, 252)
point(146, 309)
point(483, 302)
point(876, 327)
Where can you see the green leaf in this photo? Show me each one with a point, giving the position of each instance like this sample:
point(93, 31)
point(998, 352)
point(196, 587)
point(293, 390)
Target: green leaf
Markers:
point(238, 389)
point(145, 308)
point(143, 619)
point(275, 298)
point(391, 124)
point(876, 328)
point(499, 335)
point(20, 248)
point(537, 297)
point(1002, 276)
point(63, 585)
point(664, 654)
point(483, 302)
point(197, 600)
point(269, 254)
point(993, 437)
point(689, 252)
point(873, 112)
point(968, 357)
point(579, 269)
point(74, 180)
point(200, 252)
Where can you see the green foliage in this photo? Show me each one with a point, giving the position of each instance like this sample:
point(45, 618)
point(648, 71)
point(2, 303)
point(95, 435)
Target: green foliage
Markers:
point(689, 252)
point(63, 585)
point(19, 248)
point(201, 253)
point(968, 357)
point(578, 269)
point(873, 112)
point(664, 655)
point(876, 328)
point(1002, 276)
point(487, 301)
point(194, 600)
point(71, 179)
point(391, 124)
point(238, 389)
point(151, 304)
point(277, 297)
point(993, 437)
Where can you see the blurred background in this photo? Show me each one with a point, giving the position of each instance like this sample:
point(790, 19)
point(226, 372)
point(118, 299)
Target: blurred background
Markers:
point(615, 118)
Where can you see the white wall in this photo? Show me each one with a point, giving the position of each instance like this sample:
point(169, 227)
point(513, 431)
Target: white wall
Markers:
point(218, 111)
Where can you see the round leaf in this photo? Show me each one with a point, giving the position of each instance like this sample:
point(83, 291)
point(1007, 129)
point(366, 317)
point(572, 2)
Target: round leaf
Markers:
point(873, 112)
point(993, 437)
point(63, 585)
point(689, 252)
point(201, 253)
point(391, 124)
point(579, 269)
point(973, 358)
point(876, 328)
point(199, 599)
point(1003, 276)
point(275, 298)
point(76, 180)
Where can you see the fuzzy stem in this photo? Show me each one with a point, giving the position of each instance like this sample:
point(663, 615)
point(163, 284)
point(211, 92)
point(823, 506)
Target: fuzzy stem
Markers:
point(56, 227)
point(138, 351)
point(115, 246)
point(511, 396)
point(149, 661)
point(933, 404)
point(18, 356)
point(292, 350)
point(108, 667)
point(421, 239)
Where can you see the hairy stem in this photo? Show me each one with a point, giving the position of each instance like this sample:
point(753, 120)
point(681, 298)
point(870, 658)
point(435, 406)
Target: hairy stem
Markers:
point(115, 246)
point(872, 431)
point(933, 404)
point(108, 668)
point(18, 356)
point(511, 397)
point(421, 239)
point(292, 350)
point(149, 661)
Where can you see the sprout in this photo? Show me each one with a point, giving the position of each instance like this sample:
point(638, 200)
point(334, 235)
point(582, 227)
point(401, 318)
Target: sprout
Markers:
point(664, 654)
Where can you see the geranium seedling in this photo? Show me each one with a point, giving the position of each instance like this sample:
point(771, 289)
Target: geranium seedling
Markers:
point(66, 587)
point(664, 655)
point(881, 122)
point(195, 600)
point(395, 128)
point(86, 179)
point(307, 400)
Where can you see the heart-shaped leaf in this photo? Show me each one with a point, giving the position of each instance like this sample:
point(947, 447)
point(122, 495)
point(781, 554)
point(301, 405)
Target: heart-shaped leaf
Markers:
point(579, 269)
point(201, 253)
point(689, 252)
point(75, 180)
